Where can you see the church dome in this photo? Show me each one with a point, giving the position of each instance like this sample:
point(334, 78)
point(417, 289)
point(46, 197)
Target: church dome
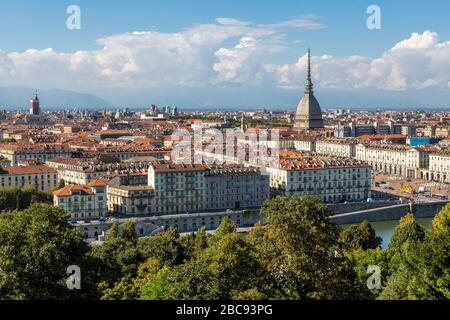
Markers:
point(309, 113)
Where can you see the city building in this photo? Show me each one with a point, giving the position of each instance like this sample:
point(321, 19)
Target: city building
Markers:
point(43, 152)
point(83, 171)
point(34, 105)
point(83, 202)
point(401, 160)
point(375, 128)
point(309, 114)
point(337, 147)
point(439, 169)
point(332, 180)
point(131, 200)
point(193, 188)
point(39, 177)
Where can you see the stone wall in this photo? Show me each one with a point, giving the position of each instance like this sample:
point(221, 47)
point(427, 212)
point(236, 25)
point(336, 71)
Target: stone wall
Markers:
point(182, 222)
point(420, 210)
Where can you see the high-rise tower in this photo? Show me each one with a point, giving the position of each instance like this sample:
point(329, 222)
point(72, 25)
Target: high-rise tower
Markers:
point(309, 114)
point(34, 105)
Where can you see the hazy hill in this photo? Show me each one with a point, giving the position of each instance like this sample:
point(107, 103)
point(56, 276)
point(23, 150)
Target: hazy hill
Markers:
point(15, 97)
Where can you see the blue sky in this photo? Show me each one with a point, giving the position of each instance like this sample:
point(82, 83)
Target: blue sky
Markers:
point(341, 33)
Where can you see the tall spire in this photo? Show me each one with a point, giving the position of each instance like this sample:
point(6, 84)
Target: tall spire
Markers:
point(242, 122)
point(308, 83)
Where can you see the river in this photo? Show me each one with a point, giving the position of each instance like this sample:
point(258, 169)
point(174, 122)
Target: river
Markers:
point(384, 229)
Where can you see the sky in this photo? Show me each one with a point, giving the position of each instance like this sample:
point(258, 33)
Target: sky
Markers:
point(231, 53)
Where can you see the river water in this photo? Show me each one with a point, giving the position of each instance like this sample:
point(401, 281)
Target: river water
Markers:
point(384, 229)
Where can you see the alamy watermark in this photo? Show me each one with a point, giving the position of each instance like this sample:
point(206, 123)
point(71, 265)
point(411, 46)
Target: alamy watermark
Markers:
point(73, 282)
point(374, 20)
point(374, 281)
point(73, 22)
point(230, 146)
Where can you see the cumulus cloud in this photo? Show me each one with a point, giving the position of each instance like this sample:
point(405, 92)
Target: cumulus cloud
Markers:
point(418, 62)
point(244, 62)
point(228, 51)
point(194, 56)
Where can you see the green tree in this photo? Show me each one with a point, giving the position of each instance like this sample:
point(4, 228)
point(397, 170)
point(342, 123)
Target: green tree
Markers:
point(405, 242)
point(152, 280)
point(396, 286)
point(226, 269)
point(360, 236)
point(201, 240)
point(37, 246)
point(300, 251)
point(164, 246)
point(226, 227)
point(442, 220)
point(432, 260)
point(129, 232)
point(113, 232)
point(19, 201)
point(361, 259)
point(407, 230)
point(21, 198)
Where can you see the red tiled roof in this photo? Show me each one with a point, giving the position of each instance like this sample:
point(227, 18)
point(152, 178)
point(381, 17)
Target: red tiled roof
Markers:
point(27, 170)
point(97, 183)
point(67, 190)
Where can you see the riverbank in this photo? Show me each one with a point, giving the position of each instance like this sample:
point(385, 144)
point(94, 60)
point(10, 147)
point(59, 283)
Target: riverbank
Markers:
point(385, 229)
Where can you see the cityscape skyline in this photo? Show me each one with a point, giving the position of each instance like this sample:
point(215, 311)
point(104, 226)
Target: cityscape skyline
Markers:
point(210, 153)
point(221, 58)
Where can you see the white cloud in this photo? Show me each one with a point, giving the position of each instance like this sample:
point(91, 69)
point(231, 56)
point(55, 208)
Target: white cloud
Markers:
point(244, 62)
point(194, 56)
point(227, 51)
point(415, 63)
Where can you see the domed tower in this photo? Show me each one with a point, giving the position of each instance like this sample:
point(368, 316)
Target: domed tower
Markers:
point(309, 114)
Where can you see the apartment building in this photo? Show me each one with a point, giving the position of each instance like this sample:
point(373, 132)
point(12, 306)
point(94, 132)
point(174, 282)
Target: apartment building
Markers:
point(178, 188)
point(42, 152)
point(83, 201)
point(39, 177)
point(331, 180)
point(394, 159)
point(337, 147)
point(305, 144)
point(234, 187)
point(83, 171)
point(192, 188)
point(131, 200)
point(439, 169)
point(356, 130)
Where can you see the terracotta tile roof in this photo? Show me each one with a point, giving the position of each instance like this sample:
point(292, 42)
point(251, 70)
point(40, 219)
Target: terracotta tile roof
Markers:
point(67, 190)
point(178, 167)
point(27, 170)
point(98, 183)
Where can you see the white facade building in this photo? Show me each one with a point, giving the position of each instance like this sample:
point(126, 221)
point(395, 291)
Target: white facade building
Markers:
point(83, 202)
point(337, 147)
point(331, 180)
point(39, 177)
point(395, 159)
point(131, 200)
point(192, 188)
point(439, 169)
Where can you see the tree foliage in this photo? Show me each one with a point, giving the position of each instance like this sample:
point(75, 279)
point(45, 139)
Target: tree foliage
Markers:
point(22, 198)
point(37, 246)
point(360, 236)
point(300, 252)
point(296, 253)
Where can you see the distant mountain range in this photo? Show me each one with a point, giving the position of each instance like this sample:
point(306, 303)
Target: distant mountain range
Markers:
point(15, 97)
